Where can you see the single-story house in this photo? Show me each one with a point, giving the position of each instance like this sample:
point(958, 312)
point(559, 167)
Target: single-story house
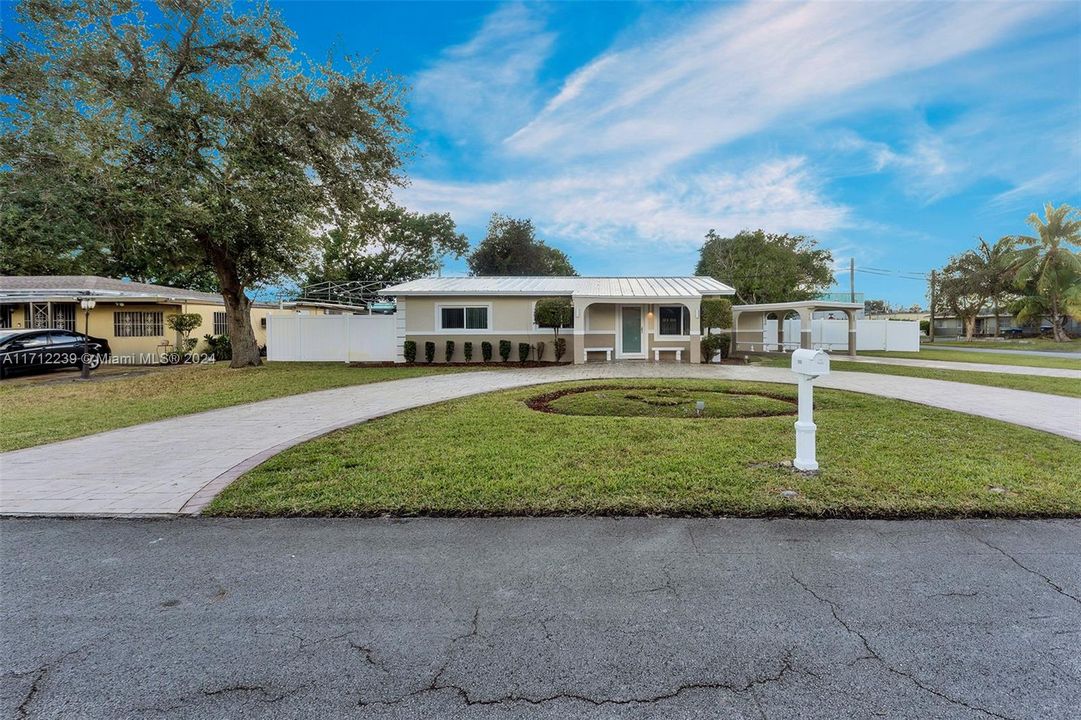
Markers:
point(990, 325)
point(618, 318)
point(130, 315)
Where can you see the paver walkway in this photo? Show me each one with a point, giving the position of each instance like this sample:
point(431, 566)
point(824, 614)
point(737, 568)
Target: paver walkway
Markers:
point(178, 465)
point(970, 366)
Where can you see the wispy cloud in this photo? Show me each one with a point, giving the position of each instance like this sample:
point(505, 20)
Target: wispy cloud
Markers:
point(636, 147)
point(735, 70)
point(487, 86)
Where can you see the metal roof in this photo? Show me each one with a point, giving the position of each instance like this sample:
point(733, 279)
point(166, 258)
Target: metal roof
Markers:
point(606, 287)
point(799, 305)
point(66, 288)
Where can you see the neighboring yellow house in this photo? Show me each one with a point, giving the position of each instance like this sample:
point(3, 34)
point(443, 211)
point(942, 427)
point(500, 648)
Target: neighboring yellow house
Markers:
point(615, 318)
point(131, 316)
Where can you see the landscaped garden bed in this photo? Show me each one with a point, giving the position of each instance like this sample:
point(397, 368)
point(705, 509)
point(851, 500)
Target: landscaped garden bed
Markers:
point(598, 451)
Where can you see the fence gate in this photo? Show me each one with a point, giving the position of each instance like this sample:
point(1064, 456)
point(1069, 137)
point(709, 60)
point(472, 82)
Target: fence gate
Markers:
point(331, 338)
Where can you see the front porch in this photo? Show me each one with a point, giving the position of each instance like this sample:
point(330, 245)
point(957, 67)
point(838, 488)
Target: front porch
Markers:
point(615, 329)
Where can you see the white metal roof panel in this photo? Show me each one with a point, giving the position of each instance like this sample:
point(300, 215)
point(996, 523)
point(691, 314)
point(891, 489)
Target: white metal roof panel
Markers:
point(616, 287)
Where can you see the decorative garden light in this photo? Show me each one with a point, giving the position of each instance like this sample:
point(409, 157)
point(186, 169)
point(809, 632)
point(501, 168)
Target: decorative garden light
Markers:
point(699, 406)
point(808, 364)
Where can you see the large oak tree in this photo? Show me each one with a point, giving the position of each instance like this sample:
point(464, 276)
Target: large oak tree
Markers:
point(195, 137)
point(511, 247)
point(766, 267)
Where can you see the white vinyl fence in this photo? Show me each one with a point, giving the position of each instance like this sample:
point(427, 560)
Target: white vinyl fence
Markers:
point(331, 338)
point(832, 335)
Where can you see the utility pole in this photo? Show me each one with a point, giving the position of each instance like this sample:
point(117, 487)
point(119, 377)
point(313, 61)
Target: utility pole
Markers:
point(852, 279)
point(931, 326)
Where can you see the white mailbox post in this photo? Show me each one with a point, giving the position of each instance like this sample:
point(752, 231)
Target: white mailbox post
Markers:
point(808, 364)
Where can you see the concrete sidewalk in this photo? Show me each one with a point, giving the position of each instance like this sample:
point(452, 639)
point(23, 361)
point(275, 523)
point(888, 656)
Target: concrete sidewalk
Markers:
point(178, 465)
point(1068, 354)
point(969, 366)
point(540, 619)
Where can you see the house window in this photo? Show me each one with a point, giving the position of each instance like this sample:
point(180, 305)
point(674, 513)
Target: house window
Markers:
point(219, 323)
point(137, 324)
point(674, 320)
point(463, 318)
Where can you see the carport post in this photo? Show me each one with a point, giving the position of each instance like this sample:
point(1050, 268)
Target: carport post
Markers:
point(851, 332)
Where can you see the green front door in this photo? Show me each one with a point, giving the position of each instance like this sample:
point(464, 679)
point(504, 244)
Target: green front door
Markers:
point(632, 330)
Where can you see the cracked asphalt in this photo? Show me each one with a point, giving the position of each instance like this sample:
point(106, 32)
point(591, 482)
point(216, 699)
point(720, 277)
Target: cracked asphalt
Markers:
point(540, 618)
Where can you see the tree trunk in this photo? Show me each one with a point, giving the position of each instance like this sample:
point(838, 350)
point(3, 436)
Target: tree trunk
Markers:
point(1057, 331)
point(970, 326)
point(237, 310)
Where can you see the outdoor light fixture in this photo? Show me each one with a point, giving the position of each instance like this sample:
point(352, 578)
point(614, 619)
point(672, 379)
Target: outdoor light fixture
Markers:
point(87, 305)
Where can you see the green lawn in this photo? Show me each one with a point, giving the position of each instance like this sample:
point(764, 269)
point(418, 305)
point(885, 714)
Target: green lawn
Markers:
point(1042, 344)
point(992, 358)
point(494, 455)
point(1032, 383)
point(36, 412)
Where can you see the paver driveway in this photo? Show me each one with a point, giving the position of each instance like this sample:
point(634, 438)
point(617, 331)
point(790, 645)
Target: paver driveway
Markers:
point(178, 465)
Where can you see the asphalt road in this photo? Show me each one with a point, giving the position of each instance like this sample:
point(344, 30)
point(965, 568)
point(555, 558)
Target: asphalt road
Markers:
point(544, 618)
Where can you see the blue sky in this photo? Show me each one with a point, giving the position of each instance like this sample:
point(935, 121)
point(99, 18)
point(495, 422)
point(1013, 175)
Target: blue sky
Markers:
point(895, 134)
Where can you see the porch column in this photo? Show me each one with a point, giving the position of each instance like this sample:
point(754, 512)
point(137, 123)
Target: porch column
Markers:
point(695, 309)
point(805, 317)
point(579, 333)
point(851, 332)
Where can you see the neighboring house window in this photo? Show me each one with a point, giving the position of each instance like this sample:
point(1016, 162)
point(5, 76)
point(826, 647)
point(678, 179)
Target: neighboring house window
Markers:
point(219, 323)
point(137, 324)
point(674, 320)
point(463, 318)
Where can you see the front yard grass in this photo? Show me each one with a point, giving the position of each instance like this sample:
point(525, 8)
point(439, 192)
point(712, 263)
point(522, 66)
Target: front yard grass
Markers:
point(494, 455)
point(1060, 363)
point(1032, 383)
point(36, 412)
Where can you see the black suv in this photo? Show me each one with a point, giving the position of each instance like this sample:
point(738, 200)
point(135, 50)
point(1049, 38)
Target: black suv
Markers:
point(28, 349)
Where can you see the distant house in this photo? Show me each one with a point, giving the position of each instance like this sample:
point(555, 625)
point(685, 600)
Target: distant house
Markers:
point(614, 317)
point(988, 325)
point(131, 316)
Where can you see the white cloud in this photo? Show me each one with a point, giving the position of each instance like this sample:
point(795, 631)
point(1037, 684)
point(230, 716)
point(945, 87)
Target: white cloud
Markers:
point(488, 85)
point(735, 70)
point(613, 210)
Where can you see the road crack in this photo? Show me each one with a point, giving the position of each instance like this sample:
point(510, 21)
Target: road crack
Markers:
point(1054, 586)
point(872, 654)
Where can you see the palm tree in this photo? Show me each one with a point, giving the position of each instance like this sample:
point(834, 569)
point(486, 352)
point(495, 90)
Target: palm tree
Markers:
point(999, 266)
point(1048, 262)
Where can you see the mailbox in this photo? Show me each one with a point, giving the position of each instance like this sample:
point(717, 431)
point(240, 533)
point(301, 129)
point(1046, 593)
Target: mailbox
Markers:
point(810, 362)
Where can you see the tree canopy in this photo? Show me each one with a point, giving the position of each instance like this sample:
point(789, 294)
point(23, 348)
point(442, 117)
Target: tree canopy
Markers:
point(194, 140)
point(512, 248)
point(1049, 268)
point(766, 267)
point(388, 244)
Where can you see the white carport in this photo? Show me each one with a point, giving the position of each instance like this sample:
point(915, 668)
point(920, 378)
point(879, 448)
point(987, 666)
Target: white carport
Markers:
point(749, 323)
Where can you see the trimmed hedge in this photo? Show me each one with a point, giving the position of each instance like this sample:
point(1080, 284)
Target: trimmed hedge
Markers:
point(540, 350)
point(429, 351)
point(523, 351)
point(559, 346)
point(467, 350)
point(410, 351)
point(486, 351)
point(504, 350)
point(450, 350)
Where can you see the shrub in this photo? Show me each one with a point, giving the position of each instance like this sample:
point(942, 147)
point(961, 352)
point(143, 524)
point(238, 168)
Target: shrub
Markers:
point(429, 351)
point(716, 313)
point(559, 346)
point(410, 350)
point(540, 351)
point(467, 350)
point(504, 350)
point(486, 351)
point(725, 344)
point(714, 344)
point(184, 323)
point(450, 350)
point(219, 346)
point(523, 351)
point(925, 327)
